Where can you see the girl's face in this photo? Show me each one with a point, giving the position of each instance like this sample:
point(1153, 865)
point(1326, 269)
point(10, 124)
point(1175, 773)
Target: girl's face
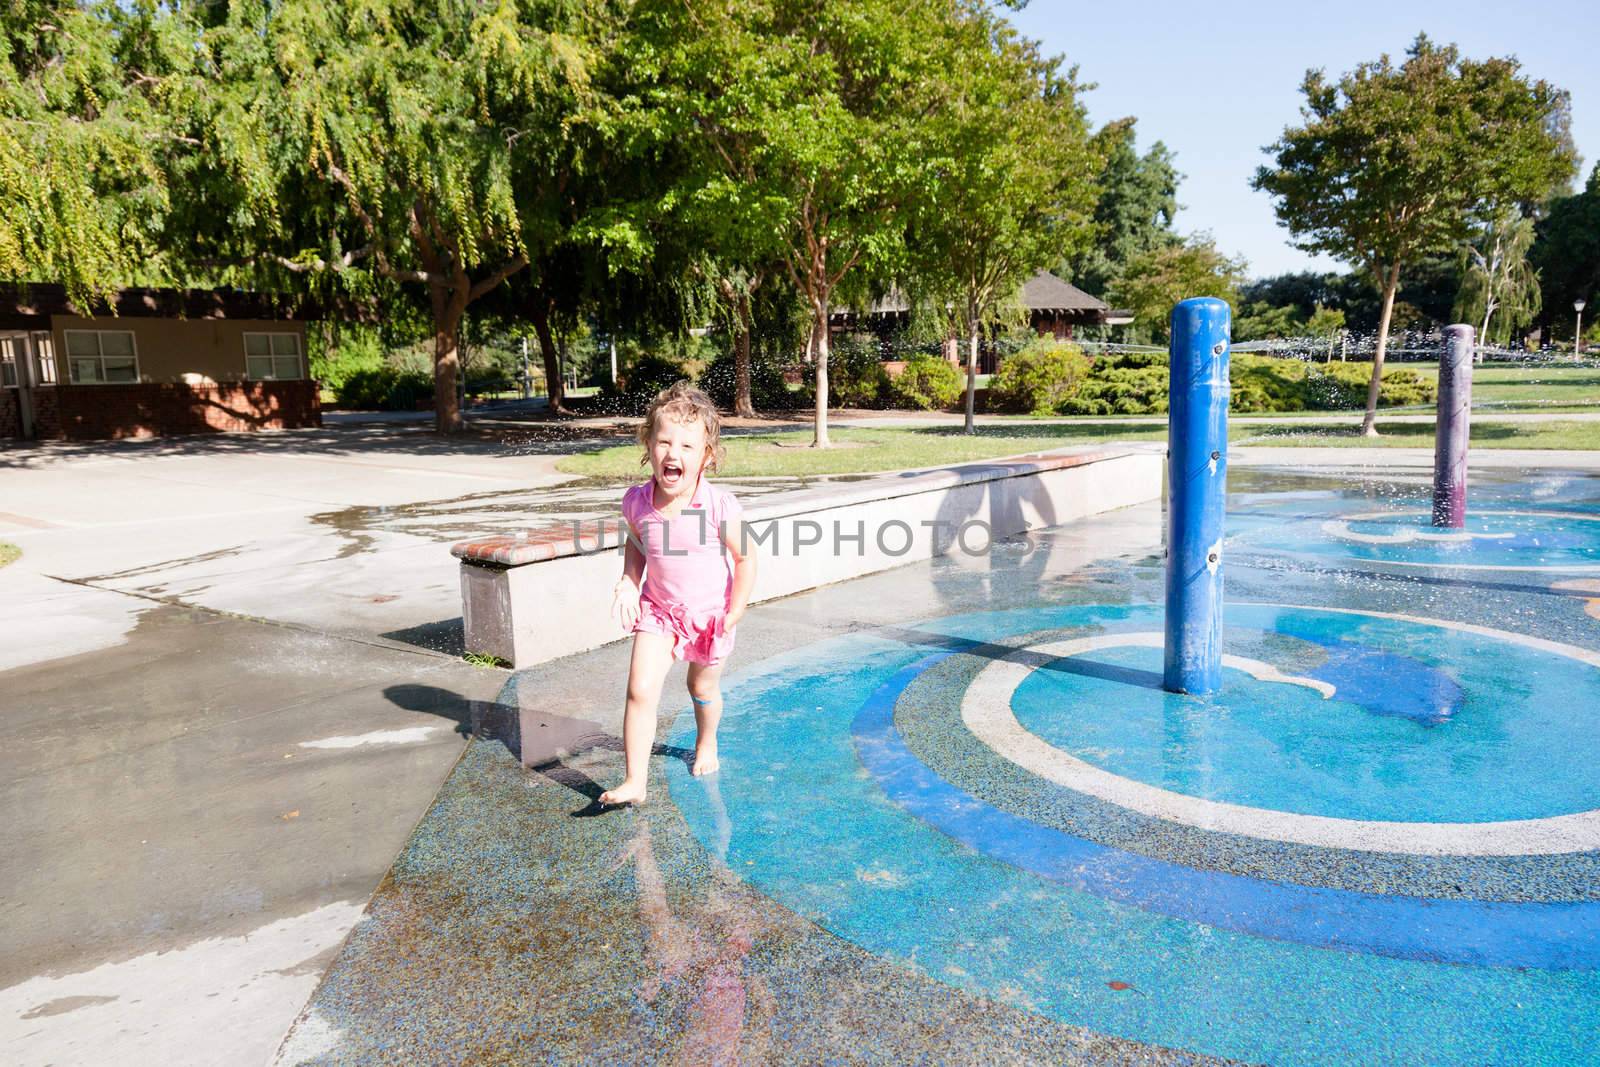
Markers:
point(677, 455)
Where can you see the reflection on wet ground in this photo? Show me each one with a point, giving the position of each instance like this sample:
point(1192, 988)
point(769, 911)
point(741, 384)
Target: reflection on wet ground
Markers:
point(510, 511)
point(1381, 842)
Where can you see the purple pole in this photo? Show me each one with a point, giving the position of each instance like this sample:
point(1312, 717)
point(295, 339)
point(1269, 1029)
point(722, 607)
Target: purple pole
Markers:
point(1453, 424)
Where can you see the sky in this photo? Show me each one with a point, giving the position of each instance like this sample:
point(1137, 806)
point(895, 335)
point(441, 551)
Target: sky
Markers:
point(1218, 82)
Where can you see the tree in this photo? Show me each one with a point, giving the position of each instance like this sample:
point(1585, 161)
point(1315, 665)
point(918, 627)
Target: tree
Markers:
point(1155, 281)
point(812, 117)
point(1498, 277)
point(1007, 190)
point(1133, 214)
point(1391, 162)
point(83, 188)
point(1566, 254)
point(348, 142)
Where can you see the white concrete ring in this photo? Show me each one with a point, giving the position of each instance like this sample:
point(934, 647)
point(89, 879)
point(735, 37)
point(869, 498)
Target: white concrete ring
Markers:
point(986, 710)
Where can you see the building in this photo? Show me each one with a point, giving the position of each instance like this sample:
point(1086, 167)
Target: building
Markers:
point(152, 362)
point(1055, 308)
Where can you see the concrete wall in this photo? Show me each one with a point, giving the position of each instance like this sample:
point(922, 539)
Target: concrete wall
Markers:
point(547, 594)
point(168, 349)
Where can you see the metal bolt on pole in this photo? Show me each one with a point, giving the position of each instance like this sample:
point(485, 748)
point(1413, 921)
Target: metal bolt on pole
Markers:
point(1197, 476)
point(1450, 442)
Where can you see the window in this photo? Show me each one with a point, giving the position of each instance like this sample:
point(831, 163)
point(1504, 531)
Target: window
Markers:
point(269, 356)
point(44, 358)
point(8, 362)
point(97, 356)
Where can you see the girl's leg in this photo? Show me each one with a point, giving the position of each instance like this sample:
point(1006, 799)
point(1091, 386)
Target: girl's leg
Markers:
point(705, 689)
point(652, 655)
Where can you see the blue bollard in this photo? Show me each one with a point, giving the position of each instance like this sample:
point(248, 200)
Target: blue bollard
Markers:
point(1197, 475)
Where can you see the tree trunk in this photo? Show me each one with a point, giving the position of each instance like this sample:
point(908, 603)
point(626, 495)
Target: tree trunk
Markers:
point(448, 307)
point(1369, 423)
point(972, 362)
point(819, 345)
point(743, 326)
point(554, 384)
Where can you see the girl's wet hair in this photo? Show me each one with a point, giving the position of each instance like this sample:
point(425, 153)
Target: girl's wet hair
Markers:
point(684, 403)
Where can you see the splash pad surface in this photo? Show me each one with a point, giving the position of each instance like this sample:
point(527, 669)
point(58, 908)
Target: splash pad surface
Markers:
point(967, 824)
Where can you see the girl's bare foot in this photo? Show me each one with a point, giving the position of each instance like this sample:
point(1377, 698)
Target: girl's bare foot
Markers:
point(626, 793)
point(705, 759)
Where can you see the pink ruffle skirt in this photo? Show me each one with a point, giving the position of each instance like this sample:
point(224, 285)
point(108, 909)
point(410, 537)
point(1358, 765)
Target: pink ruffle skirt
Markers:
point(698, 638)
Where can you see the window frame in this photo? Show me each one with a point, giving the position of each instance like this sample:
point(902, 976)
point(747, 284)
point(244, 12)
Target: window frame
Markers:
point(72, 367)
point(301, 373)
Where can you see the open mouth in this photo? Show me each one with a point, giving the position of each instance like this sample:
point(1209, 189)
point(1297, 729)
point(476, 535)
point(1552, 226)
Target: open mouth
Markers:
point(671, 472)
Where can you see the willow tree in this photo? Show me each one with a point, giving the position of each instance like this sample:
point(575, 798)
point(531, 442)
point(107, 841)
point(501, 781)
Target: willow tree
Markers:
point(83, 136)
point(1392, 162)
point(1497, 276)
point(1007, 188)
point(362, 141)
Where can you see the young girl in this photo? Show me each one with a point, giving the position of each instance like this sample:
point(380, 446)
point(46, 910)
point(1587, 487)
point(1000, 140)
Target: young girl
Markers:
point(684, 541)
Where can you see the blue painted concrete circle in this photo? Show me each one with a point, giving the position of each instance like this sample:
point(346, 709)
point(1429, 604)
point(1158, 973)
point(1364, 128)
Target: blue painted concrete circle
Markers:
point(1492, 538)
point(1426, 724)
point(808, 809)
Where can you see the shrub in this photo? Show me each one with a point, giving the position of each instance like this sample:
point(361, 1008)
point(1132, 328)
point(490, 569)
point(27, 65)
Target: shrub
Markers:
point(856, 378)
point(927, 382)
point(1039, 377)
point(641, 383)
point(768, 390)
point(1131, 384)
point(385, 389)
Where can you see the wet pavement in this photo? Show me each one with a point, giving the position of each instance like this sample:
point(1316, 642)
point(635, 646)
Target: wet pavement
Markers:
point(1376, 844)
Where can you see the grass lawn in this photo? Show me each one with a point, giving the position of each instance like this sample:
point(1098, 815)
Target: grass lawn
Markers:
point(862, 450)
point(1539, 386)
point(858, 451)
point(1579, 436)
point(9, 553)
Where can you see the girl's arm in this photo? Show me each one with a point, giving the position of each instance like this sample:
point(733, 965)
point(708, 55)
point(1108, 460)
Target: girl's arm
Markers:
point(744, 574)
point(625, 594)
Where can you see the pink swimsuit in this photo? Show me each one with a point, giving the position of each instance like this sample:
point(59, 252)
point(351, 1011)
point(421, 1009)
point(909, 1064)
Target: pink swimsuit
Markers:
point(688, 574)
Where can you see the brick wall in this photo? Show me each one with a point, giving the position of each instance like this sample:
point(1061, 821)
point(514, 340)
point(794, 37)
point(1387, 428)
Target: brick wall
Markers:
point(10, 415)
point(92, 412)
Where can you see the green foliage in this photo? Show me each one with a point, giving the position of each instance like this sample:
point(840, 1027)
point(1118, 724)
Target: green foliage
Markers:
point(85, 139)
point(1267, 384)
point(1038, 378)
point(1567, 256)
point(768, 390)
point(1134, 383)
point(385, 389)
point(1133, 216)
point(1259, 321)
point(336, 352)
point(1499, 289)
point(1394, 162)
point(1325, 322)
point(647, 377)
point(1391, 160)
point(927, 383)
point(856, 376)
point(1009, 189)
point(1055, 378)
point(1155, 281)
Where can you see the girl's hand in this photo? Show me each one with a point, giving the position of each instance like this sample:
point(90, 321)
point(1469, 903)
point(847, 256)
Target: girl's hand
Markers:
point(731, 619)
point(625, 603)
